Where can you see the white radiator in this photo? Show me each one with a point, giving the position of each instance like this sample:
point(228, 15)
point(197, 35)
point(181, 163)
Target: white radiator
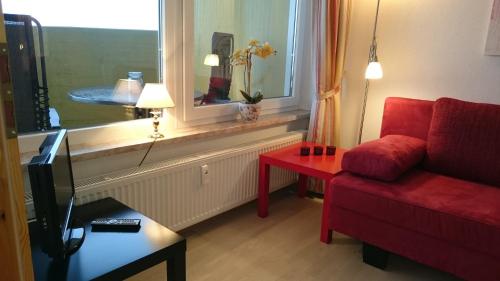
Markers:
point(172, 193)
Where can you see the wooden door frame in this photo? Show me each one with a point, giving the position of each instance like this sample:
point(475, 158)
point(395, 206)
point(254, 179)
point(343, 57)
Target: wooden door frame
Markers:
point(15, 250)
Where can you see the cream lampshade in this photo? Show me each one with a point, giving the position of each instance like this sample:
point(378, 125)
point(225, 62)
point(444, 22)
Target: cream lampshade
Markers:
point(156, 97)
point(374, 70)
point(211, 60)
point(127, 91)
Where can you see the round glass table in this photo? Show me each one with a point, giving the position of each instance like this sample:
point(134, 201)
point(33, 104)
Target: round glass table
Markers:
point(102, 95)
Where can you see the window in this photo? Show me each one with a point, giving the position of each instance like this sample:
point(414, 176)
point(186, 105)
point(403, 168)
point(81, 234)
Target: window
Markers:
point(81, 49)
point(91, 44)
point(219, 27)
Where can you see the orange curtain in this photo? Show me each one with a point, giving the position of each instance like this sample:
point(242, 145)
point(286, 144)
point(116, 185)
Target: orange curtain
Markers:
point(331, 28)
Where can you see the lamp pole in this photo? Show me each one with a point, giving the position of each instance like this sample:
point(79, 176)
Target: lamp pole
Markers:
point(367, 85)
point(373, 71)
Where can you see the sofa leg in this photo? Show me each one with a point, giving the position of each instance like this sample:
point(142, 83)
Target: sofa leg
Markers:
point(375, 256)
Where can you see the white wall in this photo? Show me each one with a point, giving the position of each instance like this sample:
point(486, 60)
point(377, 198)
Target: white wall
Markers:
point(428, 49)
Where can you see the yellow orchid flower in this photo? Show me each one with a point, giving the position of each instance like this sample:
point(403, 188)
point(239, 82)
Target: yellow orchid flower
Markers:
point(267, 50)
point(237, 53)
point(253, 43)
point(244, 57)
point(258, 52)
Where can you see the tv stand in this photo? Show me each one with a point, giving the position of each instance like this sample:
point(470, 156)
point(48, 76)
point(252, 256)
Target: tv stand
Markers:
point(111, 255)
point(75, 240)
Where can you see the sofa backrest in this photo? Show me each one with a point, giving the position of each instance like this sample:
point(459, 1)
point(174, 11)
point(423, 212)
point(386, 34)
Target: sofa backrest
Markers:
point(464, 140)
point(409, 117)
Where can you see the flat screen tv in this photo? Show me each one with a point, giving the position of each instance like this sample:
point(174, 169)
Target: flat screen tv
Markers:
point(53, 190)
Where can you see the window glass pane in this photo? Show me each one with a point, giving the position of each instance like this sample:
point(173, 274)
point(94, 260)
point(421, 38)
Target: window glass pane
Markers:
point(224, 26)
point(81, 48)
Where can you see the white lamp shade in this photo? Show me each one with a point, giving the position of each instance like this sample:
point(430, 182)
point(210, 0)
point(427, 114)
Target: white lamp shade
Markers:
point(211, 60)
point(127, 91)
point(155, 96)
point(374, 70)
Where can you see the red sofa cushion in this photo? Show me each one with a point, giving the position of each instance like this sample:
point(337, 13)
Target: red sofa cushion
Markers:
point(464, 140)
point(409, 117)
point(463, 213)
point(386, 158)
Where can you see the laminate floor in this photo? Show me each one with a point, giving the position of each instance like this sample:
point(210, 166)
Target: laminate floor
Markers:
point(238, 245)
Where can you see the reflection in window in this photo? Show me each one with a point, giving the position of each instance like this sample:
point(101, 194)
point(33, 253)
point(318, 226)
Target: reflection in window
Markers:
point(88, 46)
point(221, 26)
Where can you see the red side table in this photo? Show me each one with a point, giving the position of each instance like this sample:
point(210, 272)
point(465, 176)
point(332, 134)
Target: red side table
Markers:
point(323, 167)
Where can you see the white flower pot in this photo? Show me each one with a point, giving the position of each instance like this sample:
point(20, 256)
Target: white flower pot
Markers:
point(249, 112)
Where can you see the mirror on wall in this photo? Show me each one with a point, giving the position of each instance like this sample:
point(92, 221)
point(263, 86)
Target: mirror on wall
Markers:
point(80, 63)
point(222, 27)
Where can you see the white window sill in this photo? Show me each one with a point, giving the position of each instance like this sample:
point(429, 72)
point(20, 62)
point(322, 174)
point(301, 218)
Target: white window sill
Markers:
point(83, 146)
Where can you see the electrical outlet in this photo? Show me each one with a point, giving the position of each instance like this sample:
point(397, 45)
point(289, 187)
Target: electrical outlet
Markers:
point(205, 176)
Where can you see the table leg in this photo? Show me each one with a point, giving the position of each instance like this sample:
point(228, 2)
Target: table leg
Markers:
point(326, 232)
point(263, 193)
point(302, 185)
point(176, 267)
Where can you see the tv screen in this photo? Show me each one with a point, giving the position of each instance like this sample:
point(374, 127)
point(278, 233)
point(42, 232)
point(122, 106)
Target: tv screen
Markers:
point(52, 185)
point(63, 183)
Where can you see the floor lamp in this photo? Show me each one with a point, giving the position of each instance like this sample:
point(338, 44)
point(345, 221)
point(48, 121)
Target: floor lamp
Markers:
point(373, 71)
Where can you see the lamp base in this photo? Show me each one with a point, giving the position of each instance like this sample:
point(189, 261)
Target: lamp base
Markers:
point(156, 123)
point(156, 135)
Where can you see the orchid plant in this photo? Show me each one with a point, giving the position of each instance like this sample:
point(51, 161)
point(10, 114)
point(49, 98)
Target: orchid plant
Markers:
point(244, 57)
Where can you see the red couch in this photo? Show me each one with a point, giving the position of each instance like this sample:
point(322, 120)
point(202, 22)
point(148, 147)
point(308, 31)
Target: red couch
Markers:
point(445, 210)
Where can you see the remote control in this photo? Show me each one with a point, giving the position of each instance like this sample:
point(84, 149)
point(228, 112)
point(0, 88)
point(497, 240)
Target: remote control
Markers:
point(109, 224)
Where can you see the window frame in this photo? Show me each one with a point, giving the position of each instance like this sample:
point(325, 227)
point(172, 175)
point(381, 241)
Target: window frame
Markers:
point(159, 78)
point(174, 56)
point(188, 115)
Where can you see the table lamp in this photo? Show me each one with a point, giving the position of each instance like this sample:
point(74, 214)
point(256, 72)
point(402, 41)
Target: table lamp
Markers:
point(373, 71)
point(374, 68)
point(155, 96)
point(127, 91)
point(211, 60)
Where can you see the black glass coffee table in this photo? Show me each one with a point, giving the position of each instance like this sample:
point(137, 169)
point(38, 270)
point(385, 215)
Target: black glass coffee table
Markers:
point(113, 255)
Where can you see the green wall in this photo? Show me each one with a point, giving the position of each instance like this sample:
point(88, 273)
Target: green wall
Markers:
point(88, 57)
point(267, 21)
point(263, 20)
point(209, 17)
